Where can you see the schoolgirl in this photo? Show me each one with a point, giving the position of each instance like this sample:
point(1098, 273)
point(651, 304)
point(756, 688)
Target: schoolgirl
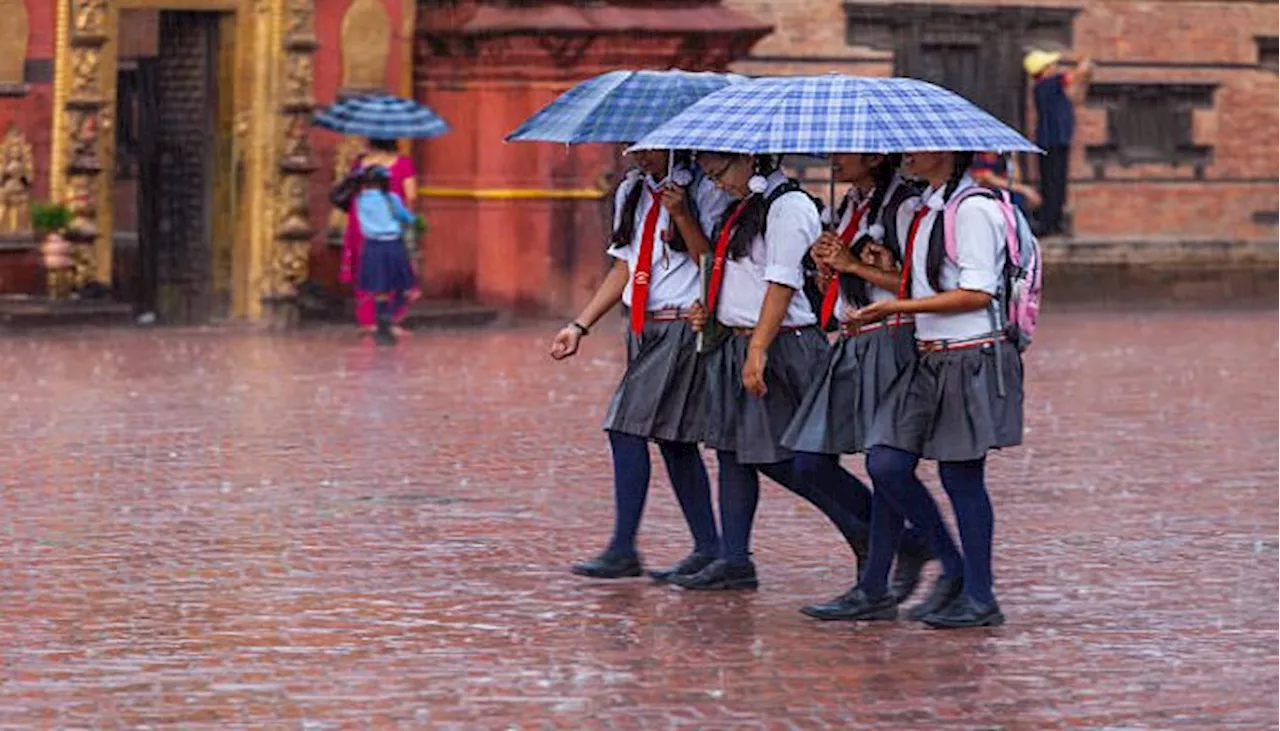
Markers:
point(661, 220)
point(385, 270)
point(757, 376)
point(836, 414)
point(961, 398)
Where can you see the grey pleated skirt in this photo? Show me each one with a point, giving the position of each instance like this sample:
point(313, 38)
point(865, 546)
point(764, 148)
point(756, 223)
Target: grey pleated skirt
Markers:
point(662, 394)
point(839, 410)
point(947, 406)
point(750, 426)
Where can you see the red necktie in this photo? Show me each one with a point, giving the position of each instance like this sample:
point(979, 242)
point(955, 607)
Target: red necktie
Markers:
point(640, 280)
point(833, 287)
point(905, 285)
point(722, 250)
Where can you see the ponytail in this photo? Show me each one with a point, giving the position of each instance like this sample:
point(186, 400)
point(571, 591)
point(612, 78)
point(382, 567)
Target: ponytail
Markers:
point(751, 222)
point(937, 247)
point(853, 287)
point(625, 227)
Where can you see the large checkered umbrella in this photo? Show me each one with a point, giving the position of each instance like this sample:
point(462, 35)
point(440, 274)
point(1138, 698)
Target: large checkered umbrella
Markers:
point(618, 106)
point(382, 117)
point(831, 114)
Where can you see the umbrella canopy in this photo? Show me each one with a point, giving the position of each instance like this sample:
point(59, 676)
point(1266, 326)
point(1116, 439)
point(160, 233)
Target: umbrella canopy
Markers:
point(381, 117)
point(619, 106)
point(834, 113)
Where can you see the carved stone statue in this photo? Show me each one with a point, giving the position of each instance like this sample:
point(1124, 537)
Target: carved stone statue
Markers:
point(16, 173)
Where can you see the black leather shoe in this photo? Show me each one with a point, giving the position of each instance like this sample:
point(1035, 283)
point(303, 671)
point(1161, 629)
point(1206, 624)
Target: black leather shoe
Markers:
point(720, 575)
point(906, 574)
point(606, 566)
point(965, 612)
point(944, 592)
point(688, 566)
point(383, 335)
point(855, 605)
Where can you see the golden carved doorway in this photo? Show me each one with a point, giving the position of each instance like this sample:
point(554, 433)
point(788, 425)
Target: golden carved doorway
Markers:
point(256, 161)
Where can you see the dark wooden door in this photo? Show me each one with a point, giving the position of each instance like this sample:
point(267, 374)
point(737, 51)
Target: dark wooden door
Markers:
point(986, 70)
point(147, 107)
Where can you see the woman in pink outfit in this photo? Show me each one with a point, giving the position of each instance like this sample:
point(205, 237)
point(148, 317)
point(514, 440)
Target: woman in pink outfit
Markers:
point(404, 184)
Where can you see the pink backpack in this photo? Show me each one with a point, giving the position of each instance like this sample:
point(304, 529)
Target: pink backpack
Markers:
point(1023, 271)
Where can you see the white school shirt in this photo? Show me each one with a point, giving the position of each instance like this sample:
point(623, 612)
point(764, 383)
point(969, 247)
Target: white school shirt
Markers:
point(980, 248)
point(793, 226)
point(674, 277)
point(844, 310)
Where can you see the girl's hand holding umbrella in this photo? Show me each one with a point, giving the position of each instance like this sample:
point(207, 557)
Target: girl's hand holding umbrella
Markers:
point(697, 316)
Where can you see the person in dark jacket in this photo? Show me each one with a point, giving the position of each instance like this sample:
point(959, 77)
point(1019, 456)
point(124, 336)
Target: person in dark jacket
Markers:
point(1054, 90)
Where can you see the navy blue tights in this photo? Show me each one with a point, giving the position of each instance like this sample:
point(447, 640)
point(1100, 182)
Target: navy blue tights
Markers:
point(840, 486)
point(740, 494)
point(386, 305)
point(631, 486)
point(901, 496)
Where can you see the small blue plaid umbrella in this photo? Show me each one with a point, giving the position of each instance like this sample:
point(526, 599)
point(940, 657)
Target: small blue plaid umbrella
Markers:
point(382, 117)
point(618, 106)
point(834, 113)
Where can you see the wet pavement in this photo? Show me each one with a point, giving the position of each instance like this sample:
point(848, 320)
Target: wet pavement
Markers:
point(228, 530)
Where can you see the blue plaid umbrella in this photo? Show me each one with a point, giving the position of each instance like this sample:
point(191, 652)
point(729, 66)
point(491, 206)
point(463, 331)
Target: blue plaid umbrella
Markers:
point(619, 106)
point(833, 113)
point(382, 117)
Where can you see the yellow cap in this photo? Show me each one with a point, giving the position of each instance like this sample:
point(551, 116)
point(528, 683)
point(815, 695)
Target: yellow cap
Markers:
point(1037, 61)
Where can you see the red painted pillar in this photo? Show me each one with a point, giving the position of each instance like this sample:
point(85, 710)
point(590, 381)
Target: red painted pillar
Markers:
point(523, 226)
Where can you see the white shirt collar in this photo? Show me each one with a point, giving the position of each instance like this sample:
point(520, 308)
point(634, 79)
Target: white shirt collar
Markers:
point(933, 196)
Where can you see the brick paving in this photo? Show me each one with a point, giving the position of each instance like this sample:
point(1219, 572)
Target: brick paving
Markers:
point(229, 530)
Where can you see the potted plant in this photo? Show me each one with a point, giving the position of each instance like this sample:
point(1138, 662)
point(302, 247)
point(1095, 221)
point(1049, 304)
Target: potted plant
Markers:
point(49, 221)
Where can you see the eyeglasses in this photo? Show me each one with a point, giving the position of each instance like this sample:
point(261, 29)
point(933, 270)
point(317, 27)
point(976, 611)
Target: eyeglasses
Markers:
point(717, 175)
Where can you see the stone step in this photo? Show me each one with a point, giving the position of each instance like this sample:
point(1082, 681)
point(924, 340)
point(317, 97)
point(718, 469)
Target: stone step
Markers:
point(20, 312)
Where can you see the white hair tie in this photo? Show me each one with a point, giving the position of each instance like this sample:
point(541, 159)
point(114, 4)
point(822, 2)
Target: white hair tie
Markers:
point(876, 232)
point(682, 177)
point(757, 184)
point(936, 203)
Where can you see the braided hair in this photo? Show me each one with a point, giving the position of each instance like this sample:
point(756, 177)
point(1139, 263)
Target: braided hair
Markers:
point(625, 230)
point(937, 248)
point(751, 222)
point(854, 287)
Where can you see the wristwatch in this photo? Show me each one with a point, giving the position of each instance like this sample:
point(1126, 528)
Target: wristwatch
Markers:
point(582, 329)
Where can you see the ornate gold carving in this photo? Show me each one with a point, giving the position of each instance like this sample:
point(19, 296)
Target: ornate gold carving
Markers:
point(85, 86)
point(90, 19)
point(286, 264)
point(343, 157)
point(83, 204)
point(82, 69)
point(366, 45)
point(295, 156)
point(13, 42)
point(16, 173)
point(299, 71)
point(300, 19)
point(295, 219)
point(82, 124)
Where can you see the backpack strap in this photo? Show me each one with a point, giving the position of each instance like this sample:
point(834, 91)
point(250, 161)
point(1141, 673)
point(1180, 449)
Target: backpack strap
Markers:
point(889, 214)
point(1006, 209)
point(790, 186)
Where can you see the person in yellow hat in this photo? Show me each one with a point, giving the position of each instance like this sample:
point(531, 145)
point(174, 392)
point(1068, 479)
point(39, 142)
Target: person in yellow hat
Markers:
point(1055, 127)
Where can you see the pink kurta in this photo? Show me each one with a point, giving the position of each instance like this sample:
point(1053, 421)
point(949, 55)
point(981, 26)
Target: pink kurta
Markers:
point(353, 243)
